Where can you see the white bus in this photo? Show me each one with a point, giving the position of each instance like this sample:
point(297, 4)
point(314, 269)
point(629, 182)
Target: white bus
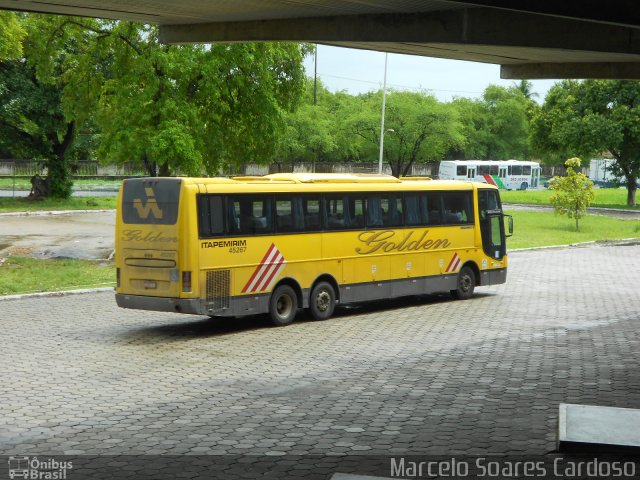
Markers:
point(505, 174)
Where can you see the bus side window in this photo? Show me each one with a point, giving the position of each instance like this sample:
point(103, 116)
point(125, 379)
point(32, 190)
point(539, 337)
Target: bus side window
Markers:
point(384, 211)
point(435, 208)
point(311, 212)
point(334, 213)
point(394, 212)
point(458, 207)
point(210, 215)
point(374, 211)
point(254, 214)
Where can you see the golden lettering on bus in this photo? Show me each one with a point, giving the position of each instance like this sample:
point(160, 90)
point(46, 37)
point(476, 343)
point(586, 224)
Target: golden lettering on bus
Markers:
point(381, 241)
point(150, 207)
point(139, 236)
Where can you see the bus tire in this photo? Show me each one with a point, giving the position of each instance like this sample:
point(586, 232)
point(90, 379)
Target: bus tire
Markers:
point(283, 305)
point(524, 186)
point(322, 301)
point(466, 284)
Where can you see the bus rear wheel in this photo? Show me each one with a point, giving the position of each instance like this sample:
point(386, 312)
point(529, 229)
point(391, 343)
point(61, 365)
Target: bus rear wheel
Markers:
point(283, 305)
point(466, 284)
point(322, 301)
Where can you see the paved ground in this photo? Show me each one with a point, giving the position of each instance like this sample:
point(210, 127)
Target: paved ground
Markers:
point(69, 235)
point(425, 376)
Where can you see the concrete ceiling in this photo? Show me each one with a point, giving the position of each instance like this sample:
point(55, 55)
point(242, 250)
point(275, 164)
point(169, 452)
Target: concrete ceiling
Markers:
point(529, 38)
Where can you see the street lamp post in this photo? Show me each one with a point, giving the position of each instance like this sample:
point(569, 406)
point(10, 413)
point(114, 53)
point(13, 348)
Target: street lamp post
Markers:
point(384, 101)
point(388, 130)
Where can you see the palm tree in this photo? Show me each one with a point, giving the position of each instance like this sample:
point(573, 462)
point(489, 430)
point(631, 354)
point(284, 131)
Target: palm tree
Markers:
point(526, 87)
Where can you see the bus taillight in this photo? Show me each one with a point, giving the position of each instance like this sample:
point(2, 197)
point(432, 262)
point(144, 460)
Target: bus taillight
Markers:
point(117, 278)
point(186, 281)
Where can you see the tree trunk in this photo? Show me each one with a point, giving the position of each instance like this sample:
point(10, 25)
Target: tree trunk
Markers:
point(150, 166)
point(164, 170)
point(58, 176)
point(632, 186)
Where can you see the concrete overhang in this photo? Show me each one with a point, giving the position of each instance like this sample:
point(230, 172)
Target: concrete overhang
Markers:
point(530, 39)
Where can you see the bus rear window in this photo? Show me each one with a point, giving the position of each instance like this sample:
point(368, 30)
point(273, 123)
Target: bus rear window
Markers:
point(151, 201)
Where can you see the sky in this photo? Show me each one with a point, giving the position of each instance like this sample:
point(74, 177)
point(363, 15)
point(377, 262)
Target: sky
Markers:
point(361, 71)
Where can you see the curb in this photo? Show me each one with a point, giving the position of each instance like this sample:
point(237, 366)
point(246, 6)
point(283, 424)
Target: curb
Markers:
point(53, 212)
point(63, 293)
point(602, 243)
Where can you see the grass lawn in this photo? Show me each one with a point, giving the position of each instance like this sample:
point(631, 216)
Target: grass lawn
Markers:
point(605, 197)
point(21, 204)
point(30, 275)
point(538, 229)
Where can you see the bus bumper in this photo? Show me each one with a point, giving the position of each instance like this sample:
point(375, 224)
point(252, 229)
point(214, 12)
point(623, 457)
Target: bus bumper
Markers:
point(160, 304)
point(493, 277)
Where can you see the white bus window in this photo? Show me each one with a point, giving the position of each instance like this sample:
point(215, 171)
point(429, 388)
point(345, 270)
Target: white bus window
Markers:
point(461, 170)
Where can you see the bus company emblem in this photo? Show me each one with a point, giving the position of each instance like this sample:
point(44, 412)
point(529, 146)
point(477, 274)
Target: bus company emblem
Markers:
point(454, 264)
point(266, 272)
point(151, 207)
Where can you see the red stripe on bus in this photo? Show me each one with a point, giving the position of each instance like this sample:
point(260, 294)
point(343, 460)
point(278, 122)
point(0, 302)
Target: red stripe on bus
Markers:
point(275, 268)
point(455, 267)
point(264, 259)
point(451, 262)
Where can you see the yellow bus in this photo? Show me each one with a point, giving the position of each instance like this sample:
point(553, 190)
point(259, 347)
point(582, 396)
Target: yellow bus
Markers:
point(278, 243)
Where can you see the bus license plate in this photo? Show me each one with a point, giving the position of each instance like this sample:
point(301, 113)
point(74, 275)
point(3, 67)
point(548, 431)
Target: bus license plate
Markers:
point(150, 284)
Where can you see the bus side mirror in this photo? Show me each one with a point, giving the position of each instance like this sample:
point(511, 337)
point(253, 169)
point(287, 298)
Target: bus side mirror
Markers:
point(509, 225)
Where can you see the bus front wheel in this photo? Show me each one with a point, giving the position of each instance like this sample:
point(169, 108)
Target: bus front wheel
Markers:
point(283, 305)
point(322, 301)
point(466, 284)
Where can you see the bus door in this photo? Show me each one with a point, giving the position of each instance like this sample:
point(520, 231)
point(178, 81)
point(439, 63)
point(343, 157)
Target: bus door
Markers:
point(491, 224)
point(471, 173)
point(535, 177)
point(502, 174)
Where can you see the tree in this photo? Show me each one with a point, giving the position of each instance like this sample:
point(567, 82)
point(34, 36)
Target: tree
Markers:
point(573, 193)
point(526, 88)
point(423, 128)
point(185, 109)
point(590, 117)
point(11, 36)
point(495, 127)
point(310, 134)
point(33, 125)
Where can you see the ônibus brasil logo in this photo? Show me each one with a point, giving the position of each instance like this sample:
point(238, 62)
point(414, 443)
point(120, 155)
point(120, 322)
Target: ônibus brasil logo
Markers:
point(36, 469)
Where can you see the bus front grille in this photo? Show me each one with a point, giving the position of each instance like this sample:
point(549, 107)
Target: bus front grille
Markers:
point(218, 285)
